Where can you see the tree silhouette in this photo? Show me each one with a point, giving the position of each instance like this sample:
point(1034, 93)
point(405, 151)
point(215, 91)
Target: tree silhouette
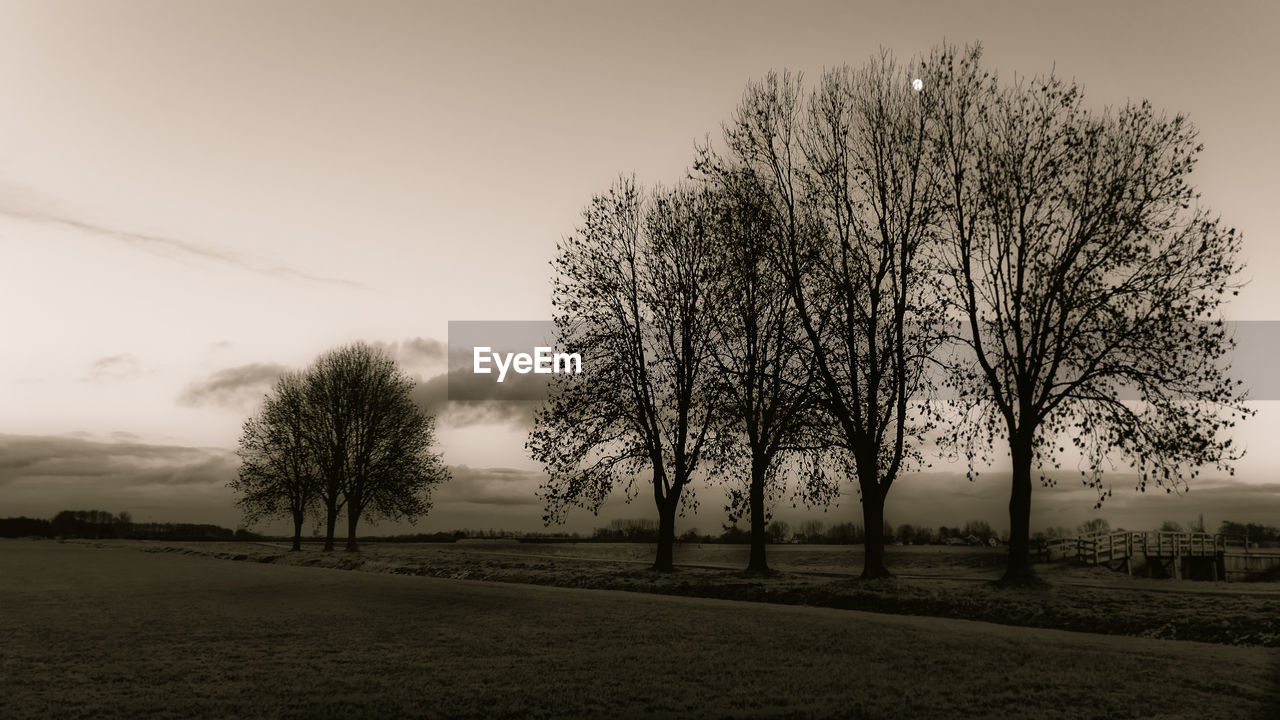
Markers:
point(756, 346)
point(1089, 281)
point(372, 443)
point(631, 296)
point(848, 174)
point(278, 474)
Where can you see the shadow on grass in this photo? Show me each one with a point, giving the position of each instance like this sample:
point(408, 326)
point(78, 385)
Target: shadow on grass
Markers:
point(1022, 582)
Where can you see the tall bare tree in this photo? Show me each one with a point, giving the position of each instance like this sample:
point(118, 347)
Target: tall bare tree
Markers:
point(278, 474)
point(1090, 280)
point(848, 171)
point(370, 440)
point(631, 296)
point(757, 346)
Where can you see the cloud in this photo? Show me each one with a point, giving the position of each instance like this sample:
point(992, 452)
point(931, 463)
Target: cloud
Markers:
point(432, 395)
point(25, 458)
point(41, 475)
point(488, 486)
point(415, 353)
point(162, 245)
point(241, 387)
point(113, 368)
point(427, 348)
point(237, 388)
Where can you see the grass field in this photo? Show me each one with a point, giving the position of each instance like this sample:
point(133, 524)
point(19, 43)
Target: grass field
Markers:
point(936, 581)
point(113, 632)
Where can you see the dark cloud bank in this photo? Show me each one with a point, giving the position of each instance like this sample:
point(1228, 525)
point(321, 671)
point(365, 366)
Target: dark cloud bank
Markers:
point(41, 475)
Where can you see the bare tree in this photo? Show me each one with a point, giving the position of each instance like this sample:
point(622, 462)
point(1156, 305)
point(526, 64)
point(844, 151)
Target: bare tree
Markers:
point(631, 297)
point(1094, 526)
point(850, 180)
point(278, 475)
point(370, 440)
point(328, 415)
point(757, 347)
point(1086, 273)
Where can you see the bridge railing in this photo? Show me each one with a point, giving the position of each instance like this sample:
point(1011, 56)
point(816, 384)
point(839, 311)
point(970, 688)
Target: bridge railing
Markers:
point(1108, 546)
point(1052, 549)
point(1170, 544)
point(1105, 547)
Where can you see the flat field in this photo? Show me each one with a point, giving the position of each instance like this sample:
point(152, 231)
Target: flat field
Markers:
point(113, 632)
point(931, 580)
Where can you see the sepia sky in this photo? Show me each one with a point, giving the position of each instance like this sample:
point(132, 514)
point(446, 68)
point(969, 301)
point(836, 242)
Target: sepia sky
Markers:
point(196, 195)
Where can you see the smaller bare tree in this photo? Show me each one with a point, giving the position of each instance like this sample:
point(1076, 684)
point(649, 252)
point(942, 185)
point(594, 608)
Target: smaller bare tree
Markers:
point(372, 442)
point(632, 293)
point(278, 475)
point(772, 420)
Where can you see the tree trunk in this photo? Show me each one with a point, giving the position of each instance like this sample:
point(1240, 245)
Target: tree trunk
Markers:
point(353, 519)
point(757, 563)
point(666, 533)
point(330, 522)
point(873, 525)
point(1019, 567)
point(297, 531)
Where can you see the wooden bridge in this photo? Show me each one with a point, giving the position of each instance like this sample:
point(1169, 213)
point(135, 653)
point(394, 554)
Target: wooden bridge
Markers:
point(1200, 556)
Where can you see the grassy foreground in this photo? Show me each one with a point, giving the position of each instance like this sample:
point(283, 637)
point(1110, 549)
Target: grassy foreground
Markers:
point(939, 582)
point(111, 632)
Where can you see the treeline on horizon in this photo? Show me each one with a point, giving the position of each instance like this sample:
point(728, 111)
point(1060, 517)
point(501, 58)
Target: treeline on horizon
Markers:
point(103, 525)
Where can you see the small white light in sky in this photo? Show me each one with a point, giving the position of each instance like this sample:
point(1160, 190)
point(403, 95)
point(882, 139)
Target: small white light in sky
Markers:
point(918, 84)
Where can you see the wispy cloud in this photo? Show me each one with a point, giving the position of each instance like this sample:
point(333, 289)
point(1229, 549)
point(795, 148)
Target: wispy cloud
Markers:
point(113, 368)
point(237, 388)
point(415, 352)
point(163, 245)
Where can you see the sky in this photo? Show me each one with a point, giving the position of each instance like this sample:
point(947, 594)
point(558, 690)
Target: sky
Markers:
point(197, 195)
